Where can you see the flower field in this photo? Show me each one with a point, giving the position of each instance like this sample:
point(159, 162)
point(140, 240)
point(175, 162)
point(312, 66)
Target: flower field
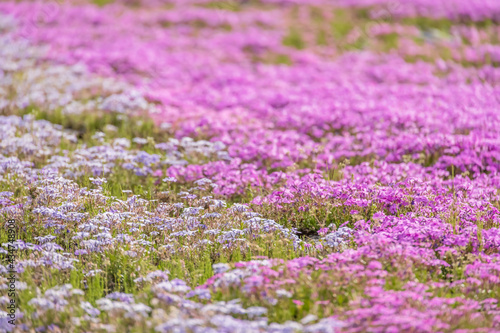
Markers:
point(289, 166)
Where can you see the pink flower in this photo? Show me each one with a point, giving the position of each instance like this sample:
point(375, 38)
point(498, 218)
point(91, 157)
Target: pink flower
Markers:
point(374, 265)
point(323, 231)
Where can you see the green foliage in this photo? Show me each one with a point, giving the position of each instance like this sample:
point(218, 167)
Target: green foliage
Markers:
point(229, 5)
point(102, 2)
point(87, 124)
point(342, 23)
point(294, 39)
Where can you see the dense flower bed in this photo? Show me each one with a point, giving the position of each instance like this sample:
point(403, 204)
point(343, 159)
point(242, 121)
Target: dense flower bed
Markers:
point(251, 166)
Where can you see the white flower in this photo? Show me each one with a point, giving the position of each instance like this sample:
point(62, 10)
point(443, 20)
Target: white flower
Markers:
point(170, 179)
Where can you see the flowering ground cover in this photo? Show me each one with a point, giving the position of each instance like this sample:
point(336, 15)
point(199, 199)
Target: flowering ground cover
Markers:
point(250, 166)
